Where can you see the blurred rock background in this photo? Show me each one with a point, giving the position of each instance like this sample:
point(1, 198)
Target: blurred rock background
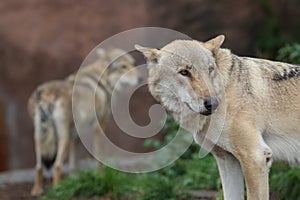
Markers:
point(42, 40)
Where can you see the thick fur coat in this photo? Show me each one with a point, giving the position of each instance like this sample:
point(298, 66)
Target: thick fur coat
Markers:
point(259, 101)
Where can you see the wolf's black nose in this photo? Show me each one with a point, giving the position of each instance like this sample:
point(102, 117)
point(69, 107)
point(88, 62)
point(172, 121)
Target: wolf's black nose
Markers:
point(211, 104)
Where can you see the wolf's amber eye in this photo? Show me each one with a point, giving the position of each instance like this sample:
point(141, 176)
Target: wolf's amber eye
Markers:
point(185, 72)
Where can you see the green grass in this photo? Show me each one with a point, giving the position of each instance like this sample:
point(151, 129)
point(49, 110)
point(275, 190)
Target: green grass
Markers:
point(155, 186)
point(284, 180)
point(166, 184)
point(91, 183)
point(290, 53)
point(201, 174)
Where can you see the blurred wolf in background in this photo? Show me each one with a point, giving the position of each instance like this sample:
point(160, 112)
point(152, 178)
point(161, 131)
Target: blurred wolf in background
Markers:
point(50, 107)
point(197, 82)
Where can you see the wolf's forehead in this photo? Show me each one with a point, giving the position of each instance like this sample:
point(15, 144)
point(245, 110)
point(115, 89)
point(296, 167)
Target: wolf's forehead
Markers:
point(185, 52)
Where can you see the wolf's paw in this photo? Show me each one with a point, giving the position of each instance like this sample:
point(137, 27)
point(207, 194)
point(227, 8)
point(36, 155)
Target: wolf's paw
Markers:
point(36, 190)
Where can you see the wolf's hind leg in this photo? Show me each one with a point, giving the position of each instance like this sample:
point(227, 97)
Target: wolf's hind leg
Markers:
point(38, 179)
point(72, 155)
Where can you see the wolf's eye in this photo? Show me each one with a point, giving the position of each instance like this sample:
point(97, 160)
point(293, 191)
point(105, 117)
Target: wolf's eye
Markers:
point(124, 66)
point(211, 69)
point(185, 72)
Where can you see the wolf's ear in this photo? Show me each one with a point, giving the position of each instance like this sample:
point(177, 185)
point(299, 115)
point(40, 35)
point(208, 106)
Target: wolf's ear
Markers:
point(150, 53)
point(215, 43)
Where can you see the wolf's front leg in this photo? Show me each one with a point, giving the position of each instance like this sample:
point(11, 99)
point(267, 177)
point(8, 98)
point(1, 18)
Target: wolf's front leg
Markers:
point(231, 175)
point(72, 155)
point(63, 142)
point(255, 157)
point(62, 147)
point(99, 139)
point(98, 145)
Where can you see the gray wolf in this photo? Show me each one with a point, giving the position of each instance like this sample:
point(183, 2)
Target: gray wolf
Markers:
point(50, 107)
point(261, 99)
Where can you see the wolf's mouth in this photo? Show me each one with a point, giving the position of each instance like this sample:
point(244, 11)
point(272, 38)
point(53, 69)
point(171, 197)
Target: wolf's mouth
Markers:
point(206, 112)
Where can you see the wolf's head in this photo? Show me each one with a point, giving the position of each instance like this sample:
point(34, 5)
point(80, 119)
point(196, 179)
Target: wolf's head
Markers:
point(121, 71)
point(185, 73)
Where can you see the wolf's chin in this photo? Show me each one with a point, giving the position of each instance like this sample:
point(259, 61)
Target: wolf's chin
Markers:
point(206, 113)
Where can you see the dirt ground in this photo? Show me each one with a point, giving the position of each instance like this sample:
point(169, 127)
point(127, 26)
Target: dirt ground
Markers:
point(21, 191)
point(16, 191)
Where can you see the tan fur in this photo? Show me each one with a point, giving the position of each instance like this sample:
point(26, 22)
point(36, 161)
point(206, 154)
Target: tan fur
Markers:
point(261, 99)
point(50, 107)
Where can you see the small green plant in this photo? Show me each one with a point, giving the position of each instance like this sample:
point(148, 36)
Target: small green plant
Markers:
point(77, 186)
point(91, 183)
point(284, 180)
point(170, 128)
point(271, 37)
point(155, 186)
point(290, 53)
point(201, 174)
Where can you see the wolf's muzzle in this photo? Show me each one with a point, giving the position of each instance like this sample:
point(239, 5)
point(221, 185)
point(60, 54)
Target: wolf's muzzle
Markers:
point(211, 105)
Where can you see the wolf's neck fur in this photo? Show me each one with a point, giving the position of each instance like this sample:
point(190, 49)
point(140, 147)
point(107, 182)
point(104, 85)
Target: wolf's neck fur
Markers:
point(224, 61)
